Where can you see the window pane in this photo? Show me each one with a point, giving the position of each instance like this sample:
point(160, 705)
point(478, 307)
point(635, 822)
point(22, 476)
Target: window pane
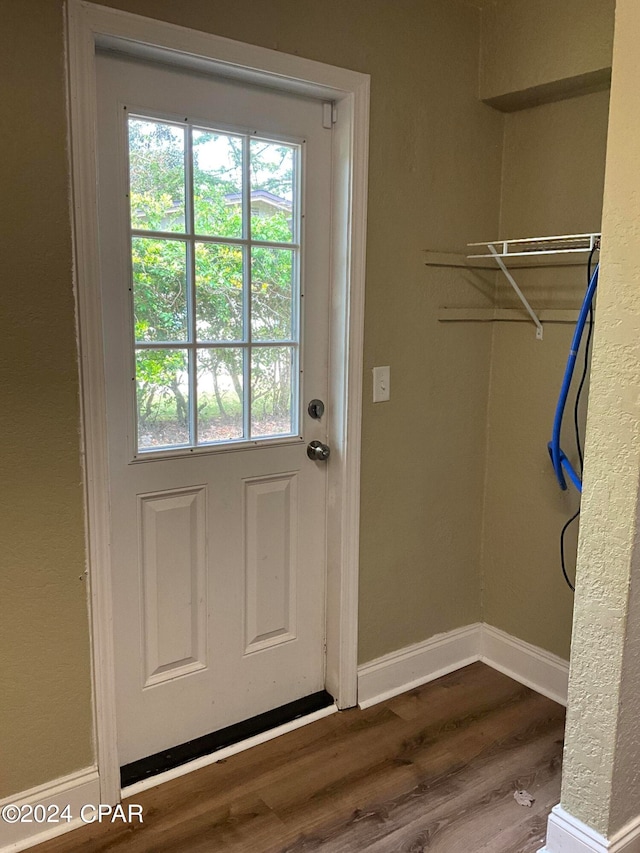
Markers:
point(271, 294)
point(271, 391)
point(219, 292)
point(272, 184)
point(156, 175)
point(220, 372)
point(159, 289)
point(217, 183)
point(163, 398)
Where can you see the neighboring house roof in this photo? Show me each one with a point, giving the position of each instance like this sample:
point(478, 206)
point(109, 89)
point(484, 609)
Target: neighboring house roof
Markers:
point(261, 200)
point(267, 200)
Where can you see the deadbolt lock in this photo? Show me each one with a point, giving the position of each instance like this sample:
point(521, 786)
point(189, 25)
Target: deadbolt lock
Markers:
point(316, 409)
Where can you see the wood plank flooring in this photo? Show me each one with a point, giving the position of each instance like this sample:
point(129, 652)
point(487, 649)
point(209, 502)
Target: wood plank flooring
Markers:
point(432, 770)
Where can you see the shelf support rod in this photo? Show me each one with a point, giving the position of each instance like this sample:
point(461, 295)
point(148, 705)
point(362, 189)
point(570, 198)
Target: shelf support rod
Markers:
point(521, 295)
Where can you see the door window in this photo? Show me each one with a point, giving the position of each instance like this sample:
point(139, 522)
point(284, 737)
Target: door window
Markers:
point(215, 278)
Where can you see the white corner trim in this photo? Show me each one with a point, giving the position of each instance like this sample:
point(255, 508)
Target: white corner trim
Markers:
point(544, 672)
point(627, 840)
point(567, 834)
point(418, 664)
point(412, 666)
point(76, 790)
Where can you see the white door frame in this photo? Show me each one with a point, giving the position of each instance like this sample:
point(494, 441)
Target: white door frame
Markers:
point(90, 26)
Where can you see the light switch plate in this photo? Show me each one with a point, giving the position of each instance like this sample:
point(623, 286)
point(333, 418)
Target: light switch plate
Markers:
point(381, 384)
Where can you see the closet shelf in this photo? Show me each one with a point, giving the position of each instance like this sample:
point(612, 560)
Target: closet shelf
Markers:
point(459, 260)
point(529, 247)
point(505, 315)
point(566, 244)
point(524, 252)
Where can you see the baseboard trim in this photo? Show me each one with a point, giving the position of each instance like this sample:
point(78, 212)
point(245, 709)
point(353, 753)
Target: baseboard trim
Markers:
point(567, 834)
point(75, 790)
point(420, 663)
point(536, 668)
point(627, 840)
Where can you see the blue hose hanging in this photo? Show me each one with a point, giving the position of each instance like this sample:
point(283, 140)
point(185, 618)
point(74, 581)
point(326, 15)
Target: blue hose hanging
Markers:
point(559, 459)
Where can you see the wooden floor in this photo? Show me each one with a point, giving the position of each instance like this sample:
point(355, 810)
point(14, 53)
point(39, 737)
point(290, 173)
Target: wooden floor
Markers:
point(432, 770)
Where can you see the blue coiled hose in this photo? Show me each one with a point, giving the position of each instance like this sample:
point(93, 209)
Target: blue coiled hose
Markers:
point(560, 462)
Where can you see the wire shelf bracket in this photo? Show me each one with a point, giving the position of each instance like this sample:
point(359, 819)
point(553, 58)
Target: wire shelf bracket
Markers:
point(500, 250)
point(521, 296)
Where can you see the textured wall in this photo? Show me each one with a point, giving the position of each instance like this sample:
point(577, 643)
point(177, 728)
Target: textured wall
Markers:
point(602, 752)
point(45, 692)
point(434, 182)
point(435, 174)
point(536, 50)
point(552, 181)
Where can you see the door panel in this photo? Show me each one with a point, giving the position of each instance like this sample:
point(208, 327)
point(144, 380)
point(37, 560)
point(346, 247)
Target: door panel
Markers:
point(271, 560)
point(218, 550)
point(173, 571)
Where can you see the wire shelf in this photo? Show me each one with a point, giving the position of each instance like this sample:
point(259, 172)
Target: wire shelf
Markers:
point(502, 250)
point(531, 246)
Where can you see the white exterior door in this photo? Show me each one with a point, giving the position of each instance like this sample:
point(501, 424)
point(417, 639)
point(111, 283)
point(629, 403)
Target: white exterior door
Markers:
point(214, 243)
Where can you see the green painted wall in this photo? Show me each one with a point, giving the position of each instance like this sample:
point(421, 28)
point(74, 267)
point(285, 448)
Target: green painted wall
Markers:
point(535, 51)
point(434, 182)
point(552, 182)
point(45, 694)
point(438, 179)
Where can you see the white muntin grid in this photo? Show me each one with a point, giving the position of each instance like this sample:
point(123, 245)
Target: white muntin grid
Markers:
point(246, 242)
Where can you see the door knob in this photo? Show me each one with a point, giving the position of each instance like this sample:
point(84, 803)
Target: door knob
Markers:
point(318, 451)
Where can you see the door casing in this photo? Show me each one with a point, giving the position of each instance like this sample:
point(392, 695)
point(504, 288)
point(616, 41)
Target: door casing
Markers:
point(90, 26)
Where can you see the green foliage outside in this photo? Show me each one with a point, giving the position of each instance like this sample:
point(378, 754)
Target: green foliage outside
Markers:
point(160, 286)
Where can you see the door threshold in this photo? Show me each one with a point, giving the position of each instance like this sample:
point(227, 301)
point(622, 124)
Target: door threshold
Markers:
point(179, 760)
